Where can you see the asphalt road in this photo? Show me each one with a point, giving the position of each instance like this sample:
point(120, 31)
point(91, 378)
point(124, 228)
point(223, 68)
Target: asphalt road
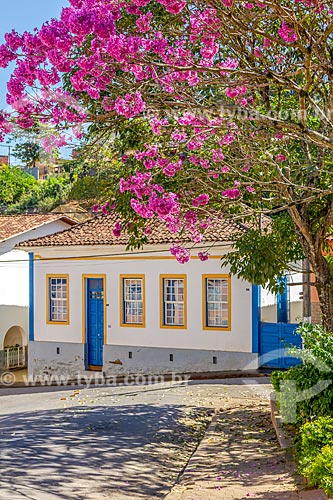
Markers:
point(106, 443)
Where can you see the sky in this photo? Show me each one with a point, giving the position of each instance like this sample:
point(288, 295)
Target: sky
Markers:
point(23, 15)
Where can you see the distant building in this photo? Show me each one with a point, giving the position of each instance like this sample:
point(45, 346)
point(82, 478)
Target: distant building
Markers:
point(4, 160)
point(43, 170)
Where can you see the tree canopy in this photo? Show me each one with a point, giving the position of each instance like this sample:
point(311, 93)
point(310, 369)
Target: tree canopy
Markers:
point(28, 153)
point(234, 100)
point(14, 183)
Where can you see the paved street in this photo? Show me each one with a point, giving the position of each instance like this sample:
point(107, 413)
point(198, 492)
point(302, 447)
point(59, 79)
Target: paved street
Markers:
point(107, 442)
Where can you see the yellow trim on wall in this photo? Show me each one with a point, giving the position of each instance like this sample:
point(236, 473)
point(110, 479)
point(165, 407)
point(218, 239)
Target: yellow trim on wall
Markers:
point(172, 276)
point(121, 298)
point(84, 277)
point(126, 257)
point(48, 315)
point(204, 300)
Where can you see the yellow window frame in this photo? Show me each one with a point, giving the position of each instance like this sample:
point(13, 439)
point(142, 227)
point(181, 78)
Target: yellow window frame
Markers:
point(162, 301)
point(49, 321)
point(204, 302)
point(122, 301)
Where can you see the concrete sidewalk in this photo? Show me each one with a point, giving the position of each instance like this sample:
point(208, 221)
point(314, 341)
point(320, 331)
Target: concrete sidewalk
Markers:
point(240, 459)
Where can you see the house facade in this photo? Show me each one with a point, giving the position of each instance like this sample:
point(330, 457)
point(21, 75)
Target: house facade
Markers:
point(14, 274)
point(96, 306)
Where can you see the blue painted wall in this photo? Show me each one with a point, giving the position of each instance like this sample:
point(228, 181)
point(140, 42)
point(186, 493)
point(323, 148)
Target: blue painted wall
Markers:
point(31, 298)
point(283, 302)
point(255, 317)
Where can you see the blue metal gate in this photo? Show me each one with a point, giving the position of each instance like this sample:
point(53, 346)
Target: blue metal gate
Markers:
point(95, 321)
point(274, 340)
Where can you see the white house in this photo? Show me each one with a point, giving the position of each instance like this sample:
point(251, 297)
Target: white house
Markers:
point(14, 273)
point(96, 306)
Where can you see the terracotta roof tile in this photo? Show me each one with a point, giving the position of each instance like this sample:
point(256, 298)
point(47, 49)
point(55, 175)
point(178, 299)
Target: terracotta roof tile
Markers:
point(98, 231)
point(13, 225)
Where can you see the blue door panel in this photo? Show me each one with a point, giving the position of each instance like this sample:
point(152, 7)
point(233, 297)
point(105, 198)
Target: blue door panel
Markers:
point(269, 345)
point(274, 341)
point(289, 339)
point(95, 321)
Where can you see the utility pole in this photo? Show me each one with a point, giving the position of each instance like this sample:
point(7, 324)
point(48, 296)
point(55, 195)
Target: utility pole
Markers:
point(306, 291)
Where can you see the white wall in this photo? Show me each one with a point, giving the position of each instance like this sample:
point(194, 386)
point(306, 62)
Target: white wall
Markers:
point(14, 267)
point(13, 316)
point(14, 279)
point(238, 339)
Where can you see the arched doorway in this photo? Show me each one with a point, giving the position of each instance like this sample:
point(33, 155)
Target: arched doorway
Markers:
point(15, 348)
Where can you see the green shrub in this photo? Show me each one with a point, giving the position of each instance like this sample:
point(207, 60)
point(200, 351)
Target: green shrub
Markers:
point(314, 404)
point(315, 453)
point(318, 342)
point(313, 436)
point(315, 372)
point(320, 471)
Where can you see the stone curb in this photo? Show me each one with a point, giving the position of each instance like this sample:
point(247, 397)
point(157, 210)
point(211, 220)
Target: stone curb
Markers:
point(167, 378)
point(285, 443)
point(177, 490)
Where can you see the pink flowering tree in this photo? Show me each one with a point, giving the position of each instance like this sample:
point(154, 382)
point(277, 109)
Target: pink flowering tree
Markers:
point(237, 98)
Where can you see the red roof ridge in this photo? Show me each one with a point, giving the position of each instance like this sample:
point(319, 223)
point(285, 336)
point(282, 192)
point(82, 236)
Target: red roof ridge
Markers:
point(98, 231)
point(12, 225)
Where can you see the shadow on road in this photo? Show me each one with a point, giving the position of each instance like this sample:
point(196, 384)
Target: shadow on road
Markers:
point(97, 452)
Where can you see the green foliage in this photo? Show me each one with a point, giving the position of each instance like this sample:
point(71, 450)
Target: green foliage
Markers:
point(14, 183)
point(314, 436)
point(44, 196)
point(262, 256)
point(315, 453)
point(28, 152)
point(320, 471)
point(314, 412)
point(306, 377)
point(315, 372)
point(131, 136)
point(96, 183)
point(318, 342)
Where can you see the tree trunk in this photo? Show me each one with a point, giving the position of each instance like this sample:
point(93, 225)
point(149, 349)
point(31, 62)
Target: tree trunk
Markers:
point(312, 245)
point(324, 286)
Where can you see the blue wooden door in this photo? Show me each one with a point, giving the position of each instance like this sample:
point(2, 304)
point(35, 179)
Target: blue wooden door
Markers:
point(270, 345)
point(95, 321)
point(274, 341)
point(289, 338)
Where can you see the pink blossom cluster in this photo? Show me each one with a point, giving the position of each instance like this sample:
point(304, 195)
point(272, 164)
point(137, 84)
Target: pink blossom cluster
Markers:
point(235, 91)
point(280, 158)
point(287, 34)
point(90, 44)
point(182, 254)
point(201, 200)
point(42, 57)
point(130, 105)
point(203, 256)
point(104, 209)
point(5, 126)
point(231, 193)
